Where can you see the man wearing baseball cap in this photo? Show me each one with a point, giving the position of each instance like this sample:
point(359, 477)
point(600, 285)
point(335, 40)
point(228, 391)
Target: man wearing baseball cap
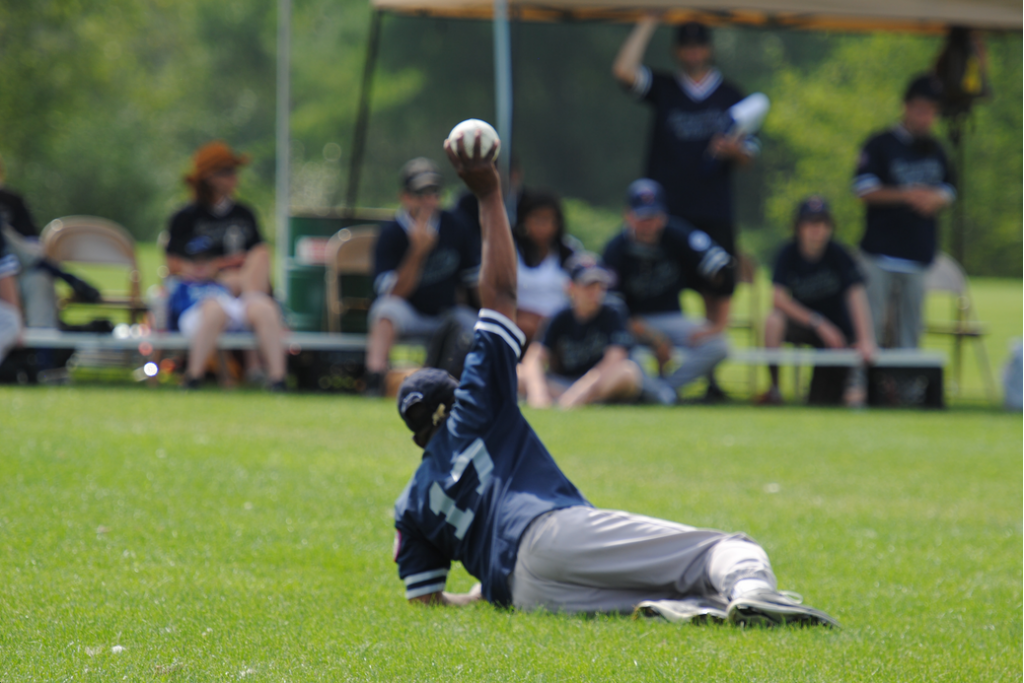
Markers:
point(584, 348)
point(654, 258)
point(904, 179)
point(819, 299)
point(421, 260)
point(488, 494)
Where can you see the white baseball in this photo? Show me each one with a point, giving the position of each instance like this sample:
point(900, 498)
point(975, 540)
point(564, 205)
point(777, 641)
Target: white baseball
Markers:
point(468, 128)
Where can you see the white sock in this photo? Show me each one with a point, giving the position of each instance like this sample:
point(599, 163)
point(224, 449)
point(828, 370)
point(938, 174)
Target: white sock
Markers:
point(744, 586)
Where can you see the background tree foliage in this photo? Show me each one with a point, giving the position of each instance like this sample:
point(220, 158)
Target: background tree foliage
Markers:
point(103, 103)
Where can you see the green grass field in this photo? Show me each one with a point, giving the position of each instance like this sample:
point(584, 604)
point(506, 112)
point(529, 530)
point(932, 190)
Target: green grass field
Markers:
point(225, 536)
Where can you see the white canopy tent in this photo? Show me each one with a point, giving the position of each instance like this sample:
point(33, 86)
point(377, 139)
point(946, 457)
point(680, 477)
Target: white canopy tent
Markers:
point(916, 16)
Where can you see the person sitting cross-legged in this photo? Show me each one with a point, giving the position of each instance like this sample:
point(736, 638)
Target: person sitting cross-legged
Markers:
point(202, 307)
point(585, 346)
point(819, 299)
point(421, 260)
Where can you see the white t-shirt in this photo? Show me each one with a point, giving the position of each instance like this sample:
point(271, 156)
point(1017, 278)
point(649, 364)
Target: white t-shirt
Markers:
point(542, 289)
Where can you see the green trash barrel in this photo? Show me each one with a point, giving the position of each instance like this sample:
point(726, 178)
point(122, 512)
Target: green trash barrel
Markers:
point(308, 236)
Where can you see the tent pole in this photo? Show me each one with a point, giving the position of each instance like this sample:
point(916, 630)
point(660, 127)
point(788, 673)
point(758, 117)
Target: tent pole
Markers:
point(503, 89)
point(282, 198)
point(363, 116)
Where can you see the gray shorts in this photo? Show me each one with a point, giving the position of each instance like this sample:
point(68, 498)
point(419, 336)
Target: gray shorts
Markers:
point(409, 322)
point(582, 559)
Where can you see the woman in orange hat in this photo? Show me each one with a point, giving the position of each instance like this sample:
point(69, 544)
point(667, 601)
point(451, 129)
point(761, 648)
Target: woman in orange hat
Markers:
point(241, 261)
point(214, 214)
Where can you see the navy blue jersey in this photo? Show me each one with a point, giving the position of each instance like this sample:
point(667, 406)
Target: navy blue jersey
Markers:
point(651, 277)
point(896, 159)
point(696, 186)
point(232, 233)
point(483, 478)
point(575, 347)
point(821, 285)
point(454, 260)
point(188, 294)
point(15, 213)
point(9, 264)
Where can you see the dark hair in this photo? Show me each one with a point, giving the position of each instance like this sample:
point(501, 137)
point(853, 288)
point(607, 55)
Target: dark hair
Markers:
point(203, 192)
point(534, 200)
point(924, 86)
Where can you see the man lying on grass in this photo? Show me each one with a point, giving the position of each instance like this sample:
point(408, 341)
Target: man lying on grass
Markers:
point(488, 494)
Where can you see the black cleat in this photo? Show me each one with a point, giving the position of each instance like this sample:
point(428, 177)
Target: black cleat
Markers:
point(771, 608)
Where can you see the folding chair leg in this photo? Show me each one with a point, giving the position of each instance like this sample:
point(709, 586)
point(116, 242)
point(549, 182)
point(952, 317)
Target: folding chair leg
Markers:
point(981, 354)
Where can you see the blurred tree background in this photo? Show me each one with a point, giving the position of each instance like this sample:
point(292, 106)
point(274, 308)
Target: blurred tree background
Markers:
point(103, 103)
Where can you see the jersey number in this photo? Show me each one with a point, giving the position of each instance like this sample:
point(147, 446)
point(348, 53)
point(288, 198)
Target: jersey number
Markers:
point(441, 504)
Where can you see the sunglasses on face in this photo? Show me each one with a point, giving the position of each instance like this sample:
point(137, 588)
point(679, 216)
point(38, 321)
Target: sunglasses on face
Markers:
point(225, 172)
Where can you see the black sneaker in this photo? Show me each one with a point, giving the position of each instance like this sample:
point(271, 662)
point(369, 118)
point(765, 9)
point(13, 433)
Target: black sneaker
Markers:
point(278, 387)
point(772, 608)
point(192, 383)
point(714, 394)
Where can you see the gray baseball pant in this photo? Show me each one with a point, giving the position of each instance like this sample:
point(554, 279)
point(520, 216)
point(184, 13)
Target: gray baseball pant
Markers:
point(582, 559)
point(698, 360)
point(907, 302)
point(409, 322)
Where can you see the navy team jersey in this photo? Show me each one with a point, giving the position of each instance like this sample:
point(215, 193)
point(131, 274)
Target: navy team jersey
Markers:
point(696, 187)
point(822, 285)
point(15, 213)
point(233, 232)
point(651, 277)
point(576, 346)
point(9, 264)
point(454, 260)
point(896, 159)
point(188, 294)
point(483, 478)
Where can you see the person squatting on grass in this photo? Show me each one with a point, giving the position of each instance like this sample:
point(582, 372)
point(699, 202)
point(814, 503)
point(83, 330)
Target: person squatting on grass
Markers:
point(819, 300)
point(584, 346)
point(488, 494)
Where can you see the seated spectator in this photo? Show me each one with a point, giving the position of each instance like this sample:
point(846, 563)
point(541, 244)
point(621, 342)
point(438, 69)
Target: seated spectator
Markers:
point(243, 257)
point(654, 257)
point(202, 307)
point(585, 348)
point(10, 308)
point(819, 299)
point(420, 261)
point(35, 282)
point(230, 226)
point(543, 250)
